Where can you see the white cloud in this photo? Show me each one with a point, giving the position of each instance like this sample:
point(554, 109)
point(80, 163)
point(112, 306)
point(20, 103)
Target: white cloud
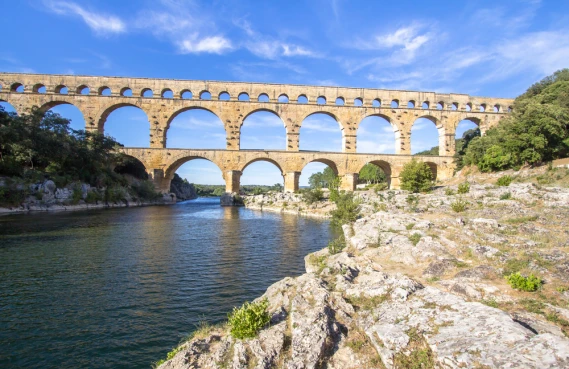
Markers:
point(100, 23)
point(213, 45)
point(295, 50)
point(406, 38)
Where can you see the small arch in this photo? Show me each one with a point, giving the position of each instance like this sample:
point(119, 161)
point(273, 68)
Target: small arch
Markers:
point(384, 166)
point(17, 87)
point(61, 89)
point(167, 94)
point(147, 92)
point(283, 98)
point(496, 108)
point(186, 94)
point(376, 103)
point(224, 96)
point(302, 99)
point(395, 103)
point(358, 101)
point(340, 101)
point(468, 107)
point(132, 166)
point(243, 96)
point(263, 98)
point(411, 104)
point(482, 108)
point(440, 105)
point(321, 100)
point(104, 91)
point(425, 105)
point(433, 167)
point(39, 89)
point(205, 95)
point(454, 106)
point(83, 90)
point(126, 92)
point(510, 109)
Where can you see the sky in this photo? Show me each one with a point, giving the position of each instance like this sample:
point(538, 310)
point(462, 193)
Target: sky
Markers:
point(482, 48)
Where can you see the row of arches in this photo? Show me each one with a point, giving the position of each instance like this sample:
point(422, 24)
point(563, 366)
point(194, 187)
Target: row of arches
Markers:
point(202, 129)
point(168, 93)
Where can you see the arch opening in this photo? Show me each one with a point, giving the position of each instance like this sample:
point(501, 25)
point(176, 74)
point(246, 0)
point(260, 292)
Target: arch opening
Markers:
point(468, 107)
point(496, 108)
point(440, 105)
point(69, 111)
point(167, 94)
point(394, 103)
point(318, 173)
point(482, 108)
point(425, 137)
point(243, 96)
point(186, 94)
point(260, 175)
point(204, 175)
point(128, 124)
point(83, 90)
point(376, 173)
point(205, 95)
point(358, 101)
point(104, 91)
point(62, 90)
point(283, 98)
point(263, 98)
point(320, 132)
point(321, 100)
point(17, 87)
point(195, 128)
point(433, 167)
point(425, 105)
point(126, 92)
point(465, 131)
point(376, 135)
point(224, 96)
point(376, 103)
point(263, 129)
point(132, 166)
point(8, 108)
point(454, 106)
point(340, 101)
point(147, 92)
point(411, 104)
point(39, 89)
point(302, 99)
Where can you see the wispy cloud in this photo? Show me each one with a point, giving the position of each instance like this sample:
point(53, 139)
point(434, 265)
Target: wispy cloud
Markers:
point(100, 23)
point(213, 45)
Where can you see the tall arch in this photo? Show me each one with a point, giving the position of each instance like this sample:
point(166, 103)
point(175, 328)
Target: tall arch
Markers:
point(377, 135)
point(318, 169)
point(321, 131)
point(67, 110)
point(9, 108)
point(383, 165)
point(128, 124)
point(425, 136)
point(195, 128)
point(262, 129)
point(262, 171)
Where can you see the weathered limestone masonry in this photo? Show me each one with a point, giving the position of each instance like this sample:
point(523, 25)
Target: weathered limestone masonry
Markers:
point(232, 102)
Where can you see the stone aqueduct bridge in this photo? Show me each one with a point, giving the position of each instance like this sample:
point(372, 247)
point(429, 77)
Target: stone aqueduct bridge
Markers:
point(163, 99)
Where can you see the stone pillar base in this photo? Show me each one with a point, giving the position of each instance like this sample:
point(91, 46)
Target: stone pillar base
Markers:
point(230, 199)
point(232, 181)
point(291, 181)
point(349, 182)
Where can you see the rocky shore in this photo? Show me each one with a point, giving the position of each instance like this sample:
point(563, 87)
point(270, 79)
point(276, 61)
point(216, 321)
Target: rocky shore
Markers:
point(420, 284)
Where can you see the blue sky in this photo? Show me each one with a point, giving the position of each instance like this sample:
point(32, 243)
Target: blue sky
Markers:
point(492, 48)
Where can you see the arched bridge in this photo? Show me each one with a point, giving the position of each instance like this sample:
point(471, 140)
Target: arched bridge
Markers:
point(233, 102)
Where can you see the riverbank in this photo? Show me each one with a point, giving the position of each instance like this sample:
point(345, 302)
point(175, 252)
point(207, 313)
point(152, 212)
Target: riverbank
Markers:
point(289, 203)
point(423, 280)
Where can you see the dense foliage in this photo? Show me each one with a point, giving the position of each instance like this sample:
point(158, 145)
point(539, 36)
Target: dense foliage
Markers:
point(322, 179)
point(347, 209)
point(530, 283)
point(249, 319)
point(43, 142)
point(416, 176)
point(537, 131)
point(371, 173)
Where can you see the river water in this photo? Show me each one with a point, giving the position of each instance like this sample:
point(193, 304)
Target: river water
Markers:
point(119, 288)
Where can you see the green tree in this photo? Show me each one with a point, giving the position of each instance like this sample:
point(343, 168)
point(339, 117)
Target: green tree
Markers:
point(371, 173)
point(322, 179)
point(416, 176)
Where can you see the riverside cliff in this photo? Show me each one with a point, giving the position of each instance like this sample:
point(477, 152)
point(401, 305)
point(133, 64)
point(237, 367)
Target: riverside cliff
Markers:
point(420, 284)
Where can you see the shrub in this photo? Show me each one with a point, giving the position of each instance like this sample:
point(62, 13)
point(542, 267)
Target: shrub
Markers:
point(506, 196)
point(92, 197)
point(415, 238)
point(464, 188)
point(530, 283)
point(337, 245)
point(416, 176)
point(449, 191)
point(77, 195)
point(504, 181)
point(249, 319)
point(459, 205)
point(347, 209)
point(145, 190)
point(312, 195)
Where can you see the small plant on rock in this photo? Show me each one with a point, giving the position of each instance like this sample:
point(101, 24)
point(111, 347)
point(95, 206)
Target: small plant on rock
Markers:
point(337, 245)
point(459, 205)
point(249, 319)
point(415, 238)
point(530, 283)
point(504, 181)
point(449, 191)
point(464, 188)
point(506, 196)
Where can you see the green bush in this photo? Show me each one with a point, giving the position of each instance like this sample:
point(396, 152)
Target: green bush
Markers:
point(311, 196)
point(459, 205)
point(506, 196)
point(144, 190)
point(464, 188)
point(416, 176)
point(347, 209)
point(415, 238)
point(337, 245)
point(504, 181)
point(449, 191)
point(249, 319)
point(77, 195)
point(530, 283)
point(92, 197)
point(12, 196)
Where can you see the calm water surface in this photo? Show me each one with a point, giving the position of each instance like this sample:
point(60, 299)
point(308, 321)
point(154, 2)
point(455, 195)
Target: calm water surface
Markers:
point(119, 288)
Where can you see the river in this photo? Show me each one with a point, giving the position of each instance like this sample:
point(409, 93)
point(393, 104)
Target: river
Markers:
point(119, 288)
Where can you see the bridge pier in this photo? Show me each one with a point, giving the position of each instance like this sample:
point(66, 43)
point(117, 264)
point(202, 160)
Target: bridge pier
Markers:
point(349, 181)
point(232, 181)
point(160, 181)
point(291, 180)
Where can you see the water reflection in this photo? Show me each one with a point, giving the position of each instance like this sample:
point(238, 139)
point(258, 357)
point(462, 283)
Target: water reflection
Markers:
point(118, 288)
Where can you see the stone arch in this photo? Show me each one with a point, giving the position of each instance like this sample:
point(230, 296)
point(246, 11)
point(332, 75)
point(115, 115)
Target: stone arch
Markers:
point(263, 158)
point(126, 92)
point(441, 130)
point(303, 133)
point(146, 92)
point(313, 166)
point(384, 166)
point(167, 93)
point(302, 99)
point(184, 109)
point(263, 97)
point(68, 114)
point(283, 98)
point(10, 105)
point(433, 167)
point(204, 124)
point(224, 96)
point(340, 101)
point(104, 114)
point(82, 90)
point(106, 91)
point(61, 89)
point(331, 163)
point(186, 94)
point(17, 87)
point(118, 166)
point(243, 96)
point(270, 129)
point(394, 125)
point(178, 162)
point(39, 88)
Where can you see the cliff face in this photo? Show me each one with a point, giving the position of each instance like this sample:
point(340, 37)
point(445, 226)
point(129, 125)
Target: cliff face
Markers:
point(419, 285)
point(182, 189)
